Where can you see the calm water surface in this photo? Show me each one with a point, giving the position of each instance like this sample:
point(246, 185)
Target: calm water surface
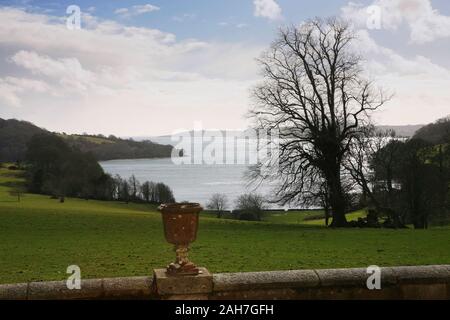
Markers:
point(195, 183)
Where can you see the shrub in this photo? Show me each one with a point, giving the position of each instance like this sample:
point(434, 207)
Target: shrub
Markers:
point(250, 207)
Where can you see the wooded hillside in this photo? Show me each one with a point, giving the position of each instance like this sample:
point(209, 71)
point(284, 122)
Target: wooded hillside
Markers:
point(15, 134)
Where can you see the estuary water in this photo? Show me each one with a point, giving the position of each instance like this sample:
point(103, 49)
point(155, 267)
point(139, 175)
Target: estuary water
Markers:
point(197, 182)
point(189, 182)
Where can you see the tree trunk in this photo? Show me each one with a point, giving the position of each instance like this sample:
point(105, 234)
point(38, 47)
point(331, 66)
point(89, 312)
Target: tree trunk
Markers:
point(339, 220)
point(337, 201)
point(419, 219)
point(327, 215)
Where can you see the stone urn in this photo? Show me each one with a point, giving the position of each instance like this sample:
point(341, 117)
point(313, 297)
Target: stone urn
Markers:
point(180, 229)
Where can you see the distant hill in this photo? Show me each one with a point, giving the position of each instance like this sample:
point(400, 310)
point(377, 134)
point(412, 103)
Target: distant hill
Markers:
point(167, 139)
point(436, 133)
point(15, 134)
point(406, 131)
point(110, 148)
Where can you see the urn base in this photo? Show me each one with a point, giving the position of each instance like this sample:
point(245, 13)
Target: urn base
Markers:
point(188, 269)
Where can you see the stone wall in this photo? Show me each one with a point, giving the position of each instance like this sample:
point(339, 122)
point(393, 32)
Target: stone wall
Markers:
point(92, 289)
point(417, 282)
point(424, 282)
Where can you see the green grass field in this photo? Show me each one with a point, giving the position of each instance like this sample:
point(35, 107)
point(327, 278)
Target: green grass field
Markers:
point(40, 237)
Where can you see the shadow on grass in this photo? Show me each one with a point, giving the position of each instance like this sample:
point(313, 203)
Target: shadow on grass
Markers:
point(11, 184)
point(264, 224)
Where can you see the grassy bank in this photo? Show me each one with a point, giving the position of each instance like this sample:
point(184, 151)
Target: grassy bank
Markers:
point(40, 237)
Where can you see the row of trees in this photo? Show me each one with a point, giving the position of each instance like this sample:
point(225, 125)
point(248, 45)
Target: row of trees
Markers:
point(405, 181)
point(401, 181)
point(132, 190)
point(57, 169)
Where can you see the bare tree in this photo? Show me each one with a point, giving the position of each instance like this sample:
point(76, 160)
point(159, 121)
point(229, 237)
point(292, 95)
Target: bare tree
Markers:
point(123, 190)
point(218, 202)
point(314, 94)
point(250, 206)
point(163, 193)
point(373, 159)
point(146, 191)
point(363, 149)
point(134, 188)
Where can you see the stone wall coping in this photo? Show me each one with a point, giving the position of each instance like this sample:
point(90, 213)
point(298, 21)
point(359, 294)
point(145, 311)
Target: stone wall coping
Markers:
point(142, 287)
point(328, 278)
point(107, 288)
point(265, 280)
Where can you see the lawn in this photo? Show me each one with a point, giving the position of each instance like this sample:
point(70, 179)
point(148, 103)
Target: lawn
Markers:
point(307, 217)
point(40, 237)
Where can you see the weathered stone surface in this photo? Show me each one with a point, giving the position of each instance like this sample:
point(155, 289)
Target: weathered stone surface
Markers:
point(182, 285)
point(314, 293)
point(423, 274)
point(424, 282)
point(353, 277)
point(270, 279)
point(342, 277)
point(354, 293)
point(262, 294)
point(388, 277)
point(17, 291)
point(422, 291)
point(186, 297)
point(131, 287)
point(90, 289)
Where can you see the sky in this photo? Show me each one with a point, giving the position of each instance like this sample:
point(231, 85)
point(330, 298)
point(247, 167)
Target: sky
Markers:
point(153, 67)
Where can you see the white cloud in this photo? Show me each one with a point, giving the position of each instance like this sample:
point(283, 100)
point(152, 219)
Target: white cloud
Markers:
point(184, 17)
point(136, 10)
point(11, 88)
point(418, 83)
point(232, 24)
point(267, 9)
point(95, 78)
point(425, 23)
point(68, 71)
point(139, 9)
point(121, 11)
point(8, 94)
point(113, 72)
